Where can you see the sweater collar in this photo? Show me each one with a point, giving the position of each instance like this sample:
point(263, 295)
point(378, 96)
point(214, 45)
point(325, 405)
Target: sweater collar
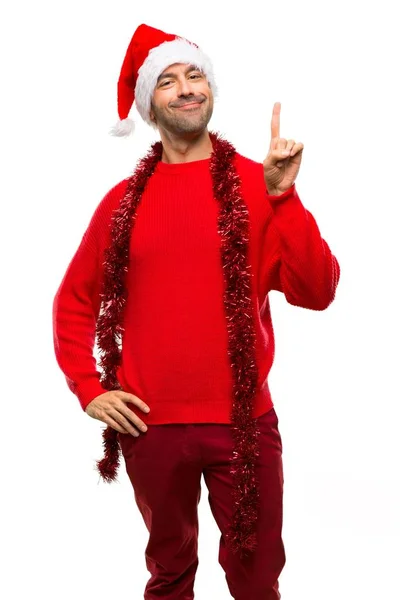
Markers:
point(184, 167)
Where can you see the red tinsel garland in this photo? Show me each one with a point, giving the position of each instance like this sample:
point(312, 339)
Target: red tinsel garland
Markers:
point(233, 226)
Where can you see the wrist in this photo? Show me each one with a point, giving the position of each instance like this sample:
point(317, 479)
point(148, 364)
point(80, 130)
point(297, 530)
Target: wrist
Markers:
point(278, 191)
point(275, 192)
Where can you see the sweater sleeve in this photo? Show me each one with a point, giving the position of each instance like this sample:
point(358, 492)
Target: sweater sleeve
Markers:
point(76, 306)
point(297, 260)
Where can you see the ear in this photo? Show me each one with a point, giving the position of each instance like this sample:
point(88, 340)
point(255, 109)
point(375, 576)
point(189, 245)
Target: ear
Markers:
point(151, 114)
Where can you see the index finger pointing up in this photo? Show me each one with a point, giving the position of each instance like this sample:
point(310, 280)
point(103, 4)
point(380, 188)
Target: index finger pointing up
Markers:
point(275, 127)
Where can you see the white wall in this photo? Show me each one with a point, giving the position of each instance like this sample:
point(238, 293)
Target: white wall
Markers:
point(340, 381)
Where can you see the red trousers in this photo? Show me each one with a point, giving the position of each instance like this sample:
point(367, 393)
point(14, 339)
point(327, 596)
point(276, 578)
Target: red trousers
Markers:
point(165, 465)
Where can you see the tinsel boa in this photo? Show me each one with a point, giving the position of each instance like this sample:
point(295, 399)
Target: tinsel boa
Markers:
point(233, 226)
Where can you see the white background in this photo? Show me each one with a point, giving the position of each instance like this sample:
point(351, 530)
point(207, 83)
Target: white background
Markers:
point(342, 378)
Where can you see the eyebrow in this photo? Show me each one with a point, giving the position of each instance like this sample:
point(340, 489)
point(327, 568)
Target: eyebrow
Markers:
point(190, 68)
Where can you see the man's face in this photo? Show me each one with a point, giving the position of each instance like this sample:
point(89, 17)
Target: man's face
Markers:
point(181, 84)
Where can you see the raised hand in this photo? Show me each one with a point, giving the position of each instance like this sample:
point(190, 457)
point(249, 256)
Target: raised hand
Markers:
point(282, 163)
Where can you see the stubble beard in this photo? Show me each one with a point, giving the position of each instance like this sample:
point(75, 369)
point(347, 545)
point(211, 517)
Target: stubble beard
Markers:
point(179, 122)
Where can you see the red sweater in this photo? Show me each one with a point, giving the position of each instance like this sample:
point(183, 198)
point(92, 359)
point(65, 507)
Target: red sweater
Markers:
point(174, 349)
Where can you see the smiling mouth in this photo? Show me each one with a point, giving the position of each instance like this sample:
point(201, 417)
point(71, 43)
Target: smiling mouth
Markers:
point(189, 104)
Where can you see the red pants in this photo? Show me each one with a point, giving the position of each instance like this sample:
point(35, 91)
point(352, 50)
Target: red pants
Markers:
point(165, 465)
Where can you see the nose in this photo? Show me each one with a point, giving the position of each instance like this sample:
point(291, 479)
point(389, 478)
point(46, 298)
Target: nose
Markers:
point(184, 87)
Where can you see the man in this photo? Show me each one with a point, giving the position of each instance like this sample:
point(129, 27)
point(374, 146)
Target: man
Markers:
point(177, 264)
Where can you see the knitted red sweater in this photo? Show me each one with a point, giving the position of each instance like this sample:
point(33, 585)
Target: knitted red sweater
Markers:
point(174, 348)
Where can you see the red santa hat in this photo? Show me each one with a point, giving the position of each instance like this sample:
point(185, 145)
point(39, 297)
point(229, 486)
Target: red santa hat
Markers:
point(149, 53)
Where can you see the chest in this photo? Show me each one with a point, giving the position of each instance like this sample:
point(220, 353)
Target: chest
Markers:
point(175, 225)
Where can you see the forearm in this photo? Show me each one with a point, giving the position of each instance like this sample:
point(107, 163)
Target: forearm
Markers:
point(302, 265)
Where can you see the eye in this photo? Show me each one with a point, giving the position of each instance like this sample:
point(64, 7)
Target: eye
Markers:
point(168, 81)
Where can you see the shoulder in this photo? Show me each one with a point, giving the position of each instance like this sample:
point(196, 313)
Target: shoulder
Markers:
point(114, 195)
point(251, 175)
point(100, 221)
point(110, 201)
point(246, 163)
point(253, 187)
point(249, 169)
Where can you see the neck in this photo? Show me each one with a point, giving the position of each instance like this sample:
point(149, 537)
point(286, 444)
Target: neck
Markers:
point(186, 148)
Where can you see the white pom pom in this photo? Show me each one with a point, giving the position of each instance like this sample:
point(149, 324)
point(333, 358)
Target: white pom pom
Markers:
point(123, 128)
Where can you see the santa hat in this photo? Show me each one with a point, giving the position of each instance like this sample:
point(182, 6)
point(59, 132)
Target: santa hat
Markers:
point(149, 53)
